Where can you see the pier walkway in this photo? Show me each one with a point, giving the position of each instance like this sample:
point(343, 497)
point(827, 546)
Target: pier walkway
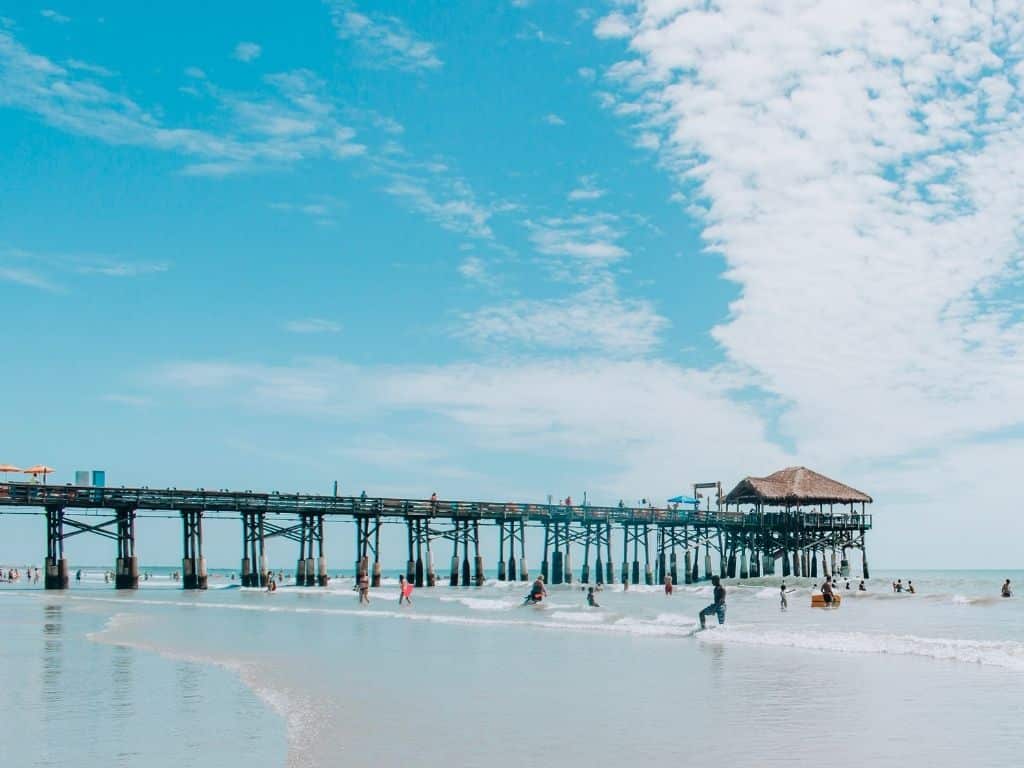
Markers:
point(748, 539)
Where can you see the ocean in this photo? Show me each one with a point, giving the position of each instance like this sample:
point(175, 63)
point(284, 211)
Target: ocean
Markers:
point(471, 677)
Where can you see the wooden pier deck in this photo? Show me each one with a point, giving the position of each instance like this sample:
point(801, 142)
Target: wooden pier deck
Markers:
point(748, 539)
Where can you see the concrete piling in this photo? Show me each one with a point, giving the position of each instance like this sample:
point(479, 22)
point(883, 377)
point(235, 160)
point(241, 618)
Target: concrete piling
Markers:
point(687, 567)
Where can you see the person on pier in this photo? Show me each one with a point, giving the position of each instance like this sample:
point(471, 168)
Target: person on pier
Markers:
point(1006, 591)
point(717, 607)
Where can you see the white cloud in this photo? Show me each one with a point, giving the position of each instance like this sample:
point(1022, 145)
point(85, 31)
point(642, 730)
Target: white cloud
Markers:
point(29, 278)
point(121, 269)
point(313, 325)
point(640, 426)
point(384, 41)
point(862, 171)
point(587, 190)
point(133, 401)
point(593, 320)
point(553, 119)
point(612, 26)
point(590, 243)
point(587, 73)
point(54, 16)
point(247, 52)
point(195, 73)
point(292, 121)
point(474, 269)
point(453, 206)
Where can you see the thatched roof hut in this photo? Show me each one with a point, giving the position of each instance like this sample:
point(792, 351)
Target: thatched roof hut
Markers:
point(794, 486)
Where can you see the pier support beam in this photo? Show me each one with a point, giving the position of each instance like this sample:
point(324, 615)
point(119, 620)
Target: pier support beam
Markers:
point(193, 564)
point(126, 570)
point(56, 571)
point(254, 559)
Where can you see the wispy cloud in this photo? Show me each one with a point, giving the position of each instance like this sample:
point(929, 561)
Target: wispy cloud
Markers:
point(29, 278)
point(121, 269)
point(54, 16)
point(247, 52)
point(454, 206)
point(587, 190)
point(553, 119)
point(132, 401)
point(383, 41)
point(590, 242)
point(593, 320)
point(313, 325)
point(293, 120)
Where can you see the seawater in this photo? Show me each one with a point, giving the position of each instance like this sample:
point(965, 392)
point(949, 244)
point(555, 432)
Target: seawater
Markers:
point(470, 676)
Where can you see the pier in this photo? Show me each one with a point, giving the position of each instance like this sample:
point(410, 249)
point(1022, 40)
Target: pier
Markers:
point(787, 522)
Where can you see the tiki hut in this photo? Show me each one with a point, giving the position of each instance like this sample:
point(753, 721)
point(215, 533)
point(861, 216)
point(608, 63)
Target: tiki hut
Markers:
point(794, 487)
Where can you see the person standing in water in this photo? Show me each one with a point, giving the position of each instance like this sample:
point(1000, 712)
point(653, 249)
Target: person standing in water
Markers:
point(1006, 591)
point(404, 591)
point(826, 590)
point(783, 601)
point(668, 584)
point(590, 598)
point(363, 585)
point(717, 607)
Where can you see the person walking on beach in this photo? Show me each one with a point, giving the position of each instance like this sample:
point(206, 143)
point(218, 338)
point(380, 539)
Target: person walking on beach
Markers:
point(717, 607)
point(590, 598)
point(364, 588)
point(1006, 592)
point(668, 584)
point(404, 591)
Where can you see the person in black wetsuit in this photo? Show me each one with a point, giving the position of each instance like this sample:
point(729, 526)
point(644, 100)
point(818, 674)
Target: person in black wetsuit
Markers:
point(590, 599)
point(1006, 591)
point(717, 607)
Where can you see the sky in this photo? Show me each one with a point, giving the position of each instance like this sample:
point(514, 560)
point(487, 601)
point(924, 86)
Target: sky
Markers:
point(512, 249)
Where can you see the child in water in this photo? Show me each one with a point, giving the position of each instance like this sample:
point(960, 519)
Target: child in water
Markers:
point(405, 591)
point(783, 602)
point(590, 599)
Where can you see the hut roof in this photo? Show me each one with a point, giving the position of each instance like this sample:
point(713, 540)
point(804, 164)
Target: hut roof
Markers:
point(794, 485)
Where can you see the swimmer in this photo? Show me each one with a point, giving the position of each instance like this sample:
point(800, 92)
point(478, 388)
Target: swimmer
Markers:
point(668, 584)
point(910, 588)
point(590, 599)
point(1006, 591)
point(363, 585)
point(861, 587)
point(537, 592)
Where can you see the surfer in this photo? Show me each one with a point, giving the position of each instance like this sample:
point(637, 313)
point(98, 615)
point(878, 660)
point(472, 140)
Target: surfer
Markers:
point(590, 598)
point(717, 607)
point(1006, 591)
point(537, 592)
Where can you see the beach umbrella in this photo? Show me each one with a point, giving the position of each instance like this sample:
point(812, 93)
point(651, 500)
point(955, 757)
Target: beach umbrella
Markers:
point(38, 469)
point(5, 468)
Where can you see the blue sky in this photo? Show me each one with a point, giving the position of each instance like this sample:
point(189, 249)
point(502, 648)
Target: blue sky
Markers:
point(512, 249)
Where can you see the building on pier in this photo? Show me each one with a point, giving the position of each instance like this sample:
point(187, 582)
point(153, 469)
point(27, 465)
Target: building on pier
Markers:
point(794, 516)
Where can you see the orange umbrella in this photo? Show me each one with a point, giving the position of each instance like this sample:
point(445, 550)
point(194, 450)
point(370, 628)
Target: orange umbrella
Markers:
point(5, 468)
point(38, 469)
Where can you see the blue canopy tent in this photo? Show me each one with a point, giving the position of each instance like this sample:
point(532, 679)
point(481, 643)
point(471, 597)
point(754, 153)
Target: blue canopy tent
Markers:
point(683, 500)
